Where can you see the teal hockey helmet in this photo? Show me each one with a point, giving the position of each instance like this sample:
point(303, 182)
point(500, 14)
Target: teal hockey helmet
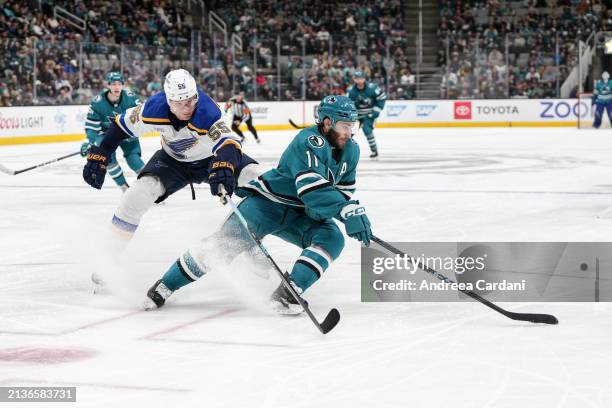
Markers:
point(114, 76)
point(337, 108)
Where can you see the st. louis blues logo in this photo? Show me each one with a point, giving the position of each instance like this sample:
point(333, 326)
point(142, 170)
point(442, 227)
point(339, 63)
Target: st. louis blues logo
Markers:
point(180, 146)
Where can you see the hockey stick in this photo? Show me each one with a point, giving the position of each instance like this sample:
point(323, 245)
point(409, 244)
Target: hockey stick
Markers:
point(526, 317)
point(296, 126)
point(14, 172)
point(333, 316)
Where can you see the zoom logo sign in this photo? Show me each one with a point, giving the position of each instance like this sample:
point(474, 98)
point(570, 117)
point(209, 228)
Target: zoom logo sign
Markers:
point(562, 109)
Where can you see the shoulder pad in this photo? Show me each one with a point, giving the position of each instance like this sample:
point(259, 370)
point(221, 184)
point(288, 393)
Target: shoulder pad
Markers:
point(156, 109)
point(206, 113)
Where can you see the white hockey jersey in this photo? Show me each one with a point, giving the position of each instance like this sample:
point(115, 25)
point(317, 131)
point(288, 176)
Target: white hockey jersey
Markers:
point(204, 134)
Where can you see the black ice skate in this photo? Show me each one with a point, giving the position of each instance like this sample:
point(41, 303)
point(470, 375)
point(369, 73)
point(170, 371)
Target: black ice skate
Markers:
point(157, 296)
point(374, 155)
point(283, 302)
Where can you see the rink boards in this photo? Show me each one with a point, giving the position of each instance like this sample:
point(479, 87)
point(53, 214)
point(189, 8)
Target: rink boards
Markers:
point(42, 124)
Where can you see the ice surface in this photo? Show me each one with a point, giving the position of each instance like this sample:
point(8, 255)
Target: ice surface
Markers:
point(216, 345)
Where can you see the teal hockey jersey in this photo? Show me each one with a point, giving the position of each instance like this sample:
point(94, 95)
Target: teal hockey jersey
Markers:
point(369, 100)
point(102, 111)
point(603, 92)
point(311, 174)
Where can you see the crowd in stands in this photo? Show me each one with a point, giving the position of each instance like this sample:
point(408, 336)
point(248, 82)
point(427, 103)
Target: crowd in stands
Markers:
point(47, 59)
point(336, 37)
point(524, 49)
point(488, 48)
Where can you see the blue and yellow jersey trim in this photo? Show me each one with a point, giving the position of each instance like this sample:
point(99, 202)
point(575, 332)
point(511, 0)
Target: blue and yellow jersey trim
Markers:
point(197, 130)
point(155, 121)
point(224, 141)
point(120, 121)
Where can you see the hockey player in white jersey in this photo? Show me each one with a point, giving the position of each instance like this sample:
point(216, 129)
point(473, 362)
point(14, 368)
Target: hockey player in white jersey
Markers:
point(197, 147)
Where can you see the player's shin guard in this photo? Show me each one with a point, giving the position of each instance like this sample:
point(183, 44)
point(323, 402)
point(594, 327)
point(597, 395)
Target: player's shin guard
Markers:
point(182, 272)
point(135, 203)
point(309, 267)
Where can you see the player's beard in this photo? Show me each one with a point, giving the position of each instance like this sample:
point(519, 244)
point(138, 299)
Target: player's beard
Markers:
point(334, 138)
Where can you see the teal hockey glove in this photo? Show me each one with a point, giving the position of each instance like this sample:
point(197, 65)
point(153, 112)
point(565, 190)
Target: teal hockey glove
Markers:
point(356, 222)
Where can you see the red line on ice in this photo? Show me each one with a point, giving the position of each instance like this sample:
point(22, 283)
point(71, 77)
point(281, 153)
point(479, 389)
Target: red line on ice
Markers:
point(196, 321)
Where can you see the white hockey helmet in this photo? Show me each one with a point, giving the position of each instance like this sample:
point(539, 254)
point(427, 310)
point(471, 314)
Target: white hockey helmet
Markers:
point(605, 75)
point(179, 85)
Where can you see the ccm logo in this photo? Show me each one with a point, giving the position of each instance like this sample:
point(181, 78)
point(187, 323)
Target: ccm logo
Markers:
point(463, 110)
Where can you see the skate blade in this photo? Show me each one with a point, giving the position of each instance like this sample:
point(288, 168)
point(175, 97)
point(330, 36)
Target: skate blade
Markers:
point(149, 305)
point(290, 310)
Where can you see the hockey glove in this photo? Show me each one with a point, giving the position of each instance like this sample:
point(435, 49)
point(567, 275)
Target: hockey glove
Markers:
point(85, 146)
point(95, 168)
point(356, 222)
point(221, 173)
point(221, 169)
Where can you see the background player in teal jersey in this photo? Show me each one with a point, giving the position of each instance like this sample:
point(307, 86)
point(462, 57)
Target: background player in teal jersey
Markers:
point(602, 99)
point(102, 111)
point(297, 201)
point(369, 100)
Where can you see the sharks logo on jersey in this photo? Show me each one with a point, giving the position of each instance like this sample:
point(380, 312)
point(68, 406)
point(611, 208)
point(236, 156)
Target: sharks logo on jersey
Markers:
point(316, 141)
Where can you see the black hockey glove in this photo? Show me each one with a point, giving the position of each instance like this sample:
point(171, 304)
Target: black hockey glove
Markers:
point(221, 169)
point(95, 168)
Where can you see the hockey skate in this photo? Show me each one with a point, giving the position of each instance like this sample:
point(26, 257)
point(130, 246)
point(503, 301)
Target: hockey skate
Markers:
point(98, 282)
point(283, 302)
point(374, 155)
point(157, 296)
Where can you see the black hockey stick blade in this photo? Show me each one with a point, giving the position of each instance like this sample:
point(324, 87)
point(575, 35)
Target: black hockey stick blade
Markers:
point(296, 126)
point(533, 317)
point(330, 321)
point(525, 317)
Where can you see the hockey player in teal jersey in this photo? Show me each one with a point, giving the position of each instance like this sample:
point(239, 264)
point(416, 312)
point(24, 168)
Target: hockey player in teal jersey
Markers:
point(297, 202)
point(102, 111)
point(602, 99)
point(369, 100)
